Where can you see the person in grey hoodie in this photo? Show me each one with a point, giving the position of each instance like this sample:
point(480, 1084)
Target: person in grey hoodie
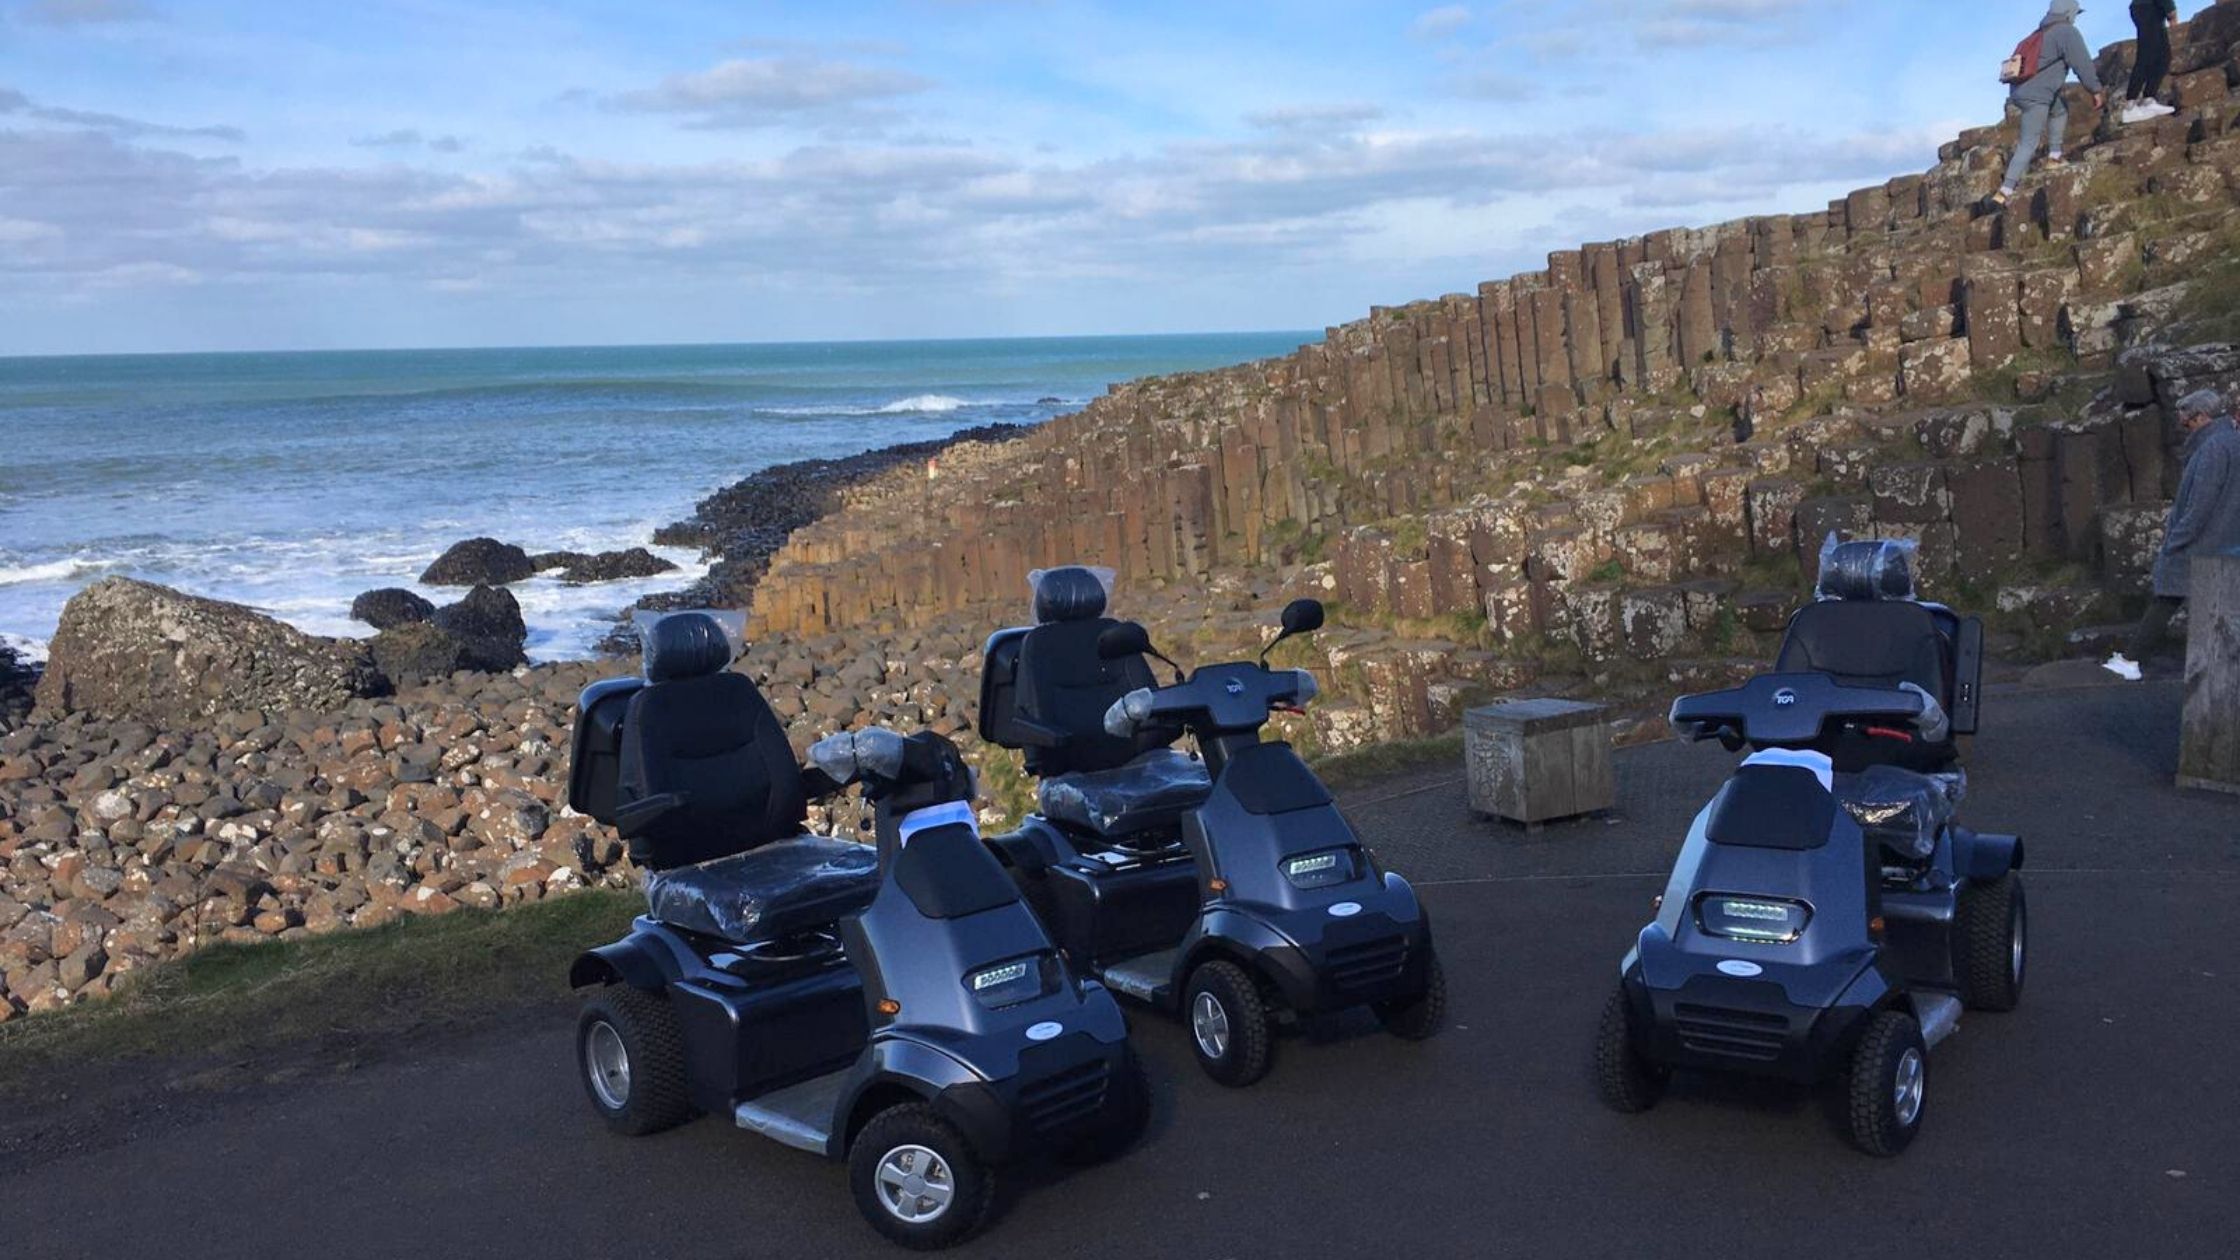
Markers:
point(2205, 518)
point(2045, 116)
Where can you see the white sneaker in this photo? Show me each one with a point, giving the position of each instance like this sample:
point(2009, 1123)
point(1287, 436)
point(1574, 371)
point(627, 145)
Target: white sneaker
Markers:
point(2155, 109)
point(2122, 667)
point(2133, 113)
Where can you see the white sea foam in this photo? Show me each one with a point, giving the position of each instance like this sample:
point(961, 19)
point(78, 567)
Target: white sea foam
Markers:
point(26, 648)
point(51, 571)
point(928, 403)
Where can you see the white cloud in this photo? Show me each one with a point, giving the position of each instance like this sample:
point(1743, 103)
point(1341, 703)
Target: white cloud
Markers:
point(408, 138)
point(14, 102)
point(1440, 23)
point(760, 91)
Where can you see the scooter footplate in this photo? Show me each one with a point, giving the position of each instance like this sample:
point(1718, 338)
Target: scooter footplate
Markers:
point(1145, 977)
point(799, 1116)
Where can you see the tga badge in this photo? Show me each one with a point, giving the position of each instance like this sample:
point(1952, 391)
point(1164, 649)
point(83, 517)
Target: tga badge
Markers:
point(1732, 966)
point(1044, 1031)
point(1345, 909)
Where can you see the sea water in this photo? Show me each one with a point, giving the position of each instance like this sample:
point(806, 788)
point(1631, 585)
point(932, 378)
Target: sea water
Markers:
point(293, 482)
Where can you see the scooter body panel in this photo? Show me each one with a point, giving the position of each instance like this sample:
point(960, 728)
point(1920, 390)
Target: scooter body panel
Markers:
point(1784, 1009)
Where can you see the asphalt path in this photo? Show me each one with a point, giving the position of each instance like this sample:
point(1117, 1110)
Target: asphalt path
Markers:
point(2100, 1119)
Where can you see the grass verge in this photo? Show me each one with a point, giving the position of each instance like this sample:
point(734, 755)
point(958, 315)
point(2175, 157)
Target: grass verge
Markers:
point(237, 1001)
point(232, 1002)
point(1384, 761)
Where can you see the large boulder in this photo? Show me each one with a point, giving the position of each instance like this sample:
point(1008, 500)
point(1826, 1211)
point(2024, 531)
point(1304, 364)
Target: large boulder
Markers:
point(129, 649)
point(479, 562)
point(390, 607)
point(488, 626)
point(417, 652)
point(579, 568)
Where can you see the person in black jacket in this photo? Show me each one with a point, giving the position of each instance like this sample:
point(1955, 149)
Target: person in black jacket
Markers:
point(2155, 20)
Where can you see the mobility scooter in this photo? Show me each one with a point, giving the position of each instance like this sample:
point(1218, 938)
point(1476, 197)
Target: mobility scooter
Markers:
point(1228, 891)
point(897, 1007)
point(1827, 918)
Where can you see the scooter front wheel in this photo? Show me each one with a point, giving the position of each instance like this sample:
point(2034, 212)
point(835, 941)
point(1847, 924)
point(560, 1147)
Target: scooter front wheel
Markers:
point(1228, 1022)
point(1627, 1082)
point(1126, 1115)
point(1889, 1084)
point(917, 1180)
point(1420, 1017)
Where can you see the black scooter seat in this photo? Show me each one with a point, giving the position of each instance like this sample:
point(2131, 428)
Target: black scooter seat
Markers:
point(1149, 793)
point(774, 891)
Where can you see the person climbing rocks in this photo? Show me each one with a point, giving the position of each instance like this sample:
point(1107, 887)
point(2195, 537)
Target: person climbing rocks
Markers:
point(2155, 20)
point(2045, 116)
point(2204, 520)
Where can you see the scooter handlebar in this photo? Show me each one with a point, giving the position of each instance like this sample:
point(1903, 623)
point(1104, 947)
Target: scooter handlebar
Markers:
point(1777, 709)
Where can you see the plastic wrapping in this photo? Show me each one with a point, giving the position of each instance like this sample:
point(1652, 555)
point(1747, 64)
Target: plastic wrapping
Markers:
point(1073, 592)
point(1870, 568)
point(1145, 793)
point(789, 886)
point(844, 757)
point(733, 621)
point(1901, 810)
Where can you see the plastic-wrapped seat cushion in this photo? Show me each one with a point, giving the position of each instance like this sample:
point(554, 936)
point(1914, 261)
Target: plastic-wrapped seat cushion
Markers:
point(1867, 569)
point(1147, 793)
point(774, 891)
point(1899, 809)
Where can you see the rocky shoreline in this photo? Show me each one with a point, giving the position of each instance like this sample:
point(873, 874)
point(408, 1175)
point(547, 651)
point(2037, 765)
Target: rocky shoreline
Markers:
point(744, 524)
point(185, 770)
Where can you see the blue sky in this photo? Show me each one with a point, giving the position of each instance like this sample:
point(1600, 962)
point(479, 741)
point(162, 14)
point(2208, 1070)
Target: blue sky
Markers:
point(220, 174)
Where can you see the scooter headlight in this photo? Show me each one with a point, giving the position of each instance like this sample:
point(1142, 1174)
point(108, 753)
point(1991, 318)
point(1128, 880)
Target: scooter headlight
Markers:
point(1305, 688)
point(1009, 983)
point(1773, 920)
point(1321, 870)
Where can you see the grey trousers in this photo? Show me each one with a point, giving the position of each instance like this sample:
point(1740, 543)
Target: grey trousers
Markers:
point(2041, 120)
point(2154, 627)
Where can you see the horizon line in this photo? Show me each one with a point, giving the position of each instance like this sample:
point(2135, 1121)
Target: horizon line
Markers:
point(1315, 334)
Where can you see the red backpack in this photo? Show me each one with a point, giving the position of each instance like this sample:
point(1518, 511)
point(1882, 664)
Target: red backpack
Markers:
point(2028, 59)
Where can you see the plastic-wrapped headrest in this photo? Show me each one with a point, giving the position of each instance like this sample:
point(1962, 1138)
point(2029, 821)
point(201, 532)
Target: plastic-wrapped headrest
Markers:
point(1868, 569)
point(1072, 593)
point(685, 645)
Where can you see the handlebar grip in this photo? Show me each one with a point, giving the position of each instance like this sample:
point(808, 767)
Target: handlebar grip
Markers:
point(1128, 713)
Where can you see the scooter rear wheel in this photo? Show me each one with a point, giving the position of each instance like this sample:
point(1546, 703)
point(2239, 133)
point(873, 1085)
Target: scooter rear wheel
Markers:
point(1627, 1082)
point(1228, 1023)
point(630, 1054)
point(917, 1180)
point(1889, 1084)
point(1988, 934)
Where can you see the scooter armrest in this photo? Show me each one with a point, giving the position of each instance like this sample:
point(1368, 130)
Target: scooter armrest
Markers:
point(636, 816)
point(1034, 734)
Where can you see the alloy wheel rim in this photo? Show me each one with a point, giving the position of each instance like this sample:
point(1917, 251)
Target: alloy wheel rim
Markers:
point(915, 1184)
point(1209, 1023)
point(2015, 948)
point(1908, 1086)
point(607, 1063)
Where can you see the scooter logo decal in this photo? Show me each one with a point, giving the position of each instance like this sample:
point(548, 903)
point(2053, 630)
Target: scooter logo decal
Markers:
point(1345, 909)
point(1044, 1031)
point(1785, 697)
point(1737, 967)
point(1235, 687)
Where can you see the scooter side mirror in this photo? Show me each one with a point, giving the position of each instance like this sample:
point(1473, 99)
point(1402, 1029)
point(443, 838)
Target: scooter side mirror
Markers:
point(1300, 616)
point(1122, 641)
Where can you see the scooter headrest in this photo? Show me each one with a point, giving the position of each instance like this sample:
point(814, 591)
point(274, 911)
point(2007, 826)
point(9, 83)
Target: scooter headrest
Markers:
point(685, 645)
point(1071, 593)
point(1869, 569)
